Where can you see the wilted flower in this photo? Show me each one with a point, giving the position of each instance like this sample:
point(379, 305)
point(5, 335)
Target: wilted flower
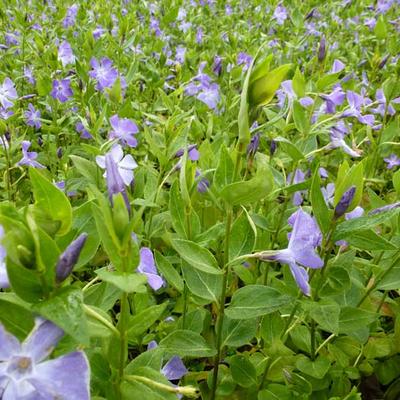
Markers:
point(29, 157)
point(65, 54)
point(33, 117)
point(61, 90)
point(304, 238)
point(124, 129)
point(25, 375)
point(148, 267)
point(7, 93)
point(103, 72)
point(69, 257)
point(125, 164)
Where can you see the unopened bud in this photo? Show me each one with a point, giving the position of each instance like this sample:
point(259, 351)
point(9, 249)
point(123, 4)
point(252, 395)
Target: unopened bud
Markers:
point(322, 49)
point(69, 257)
point(345, 201)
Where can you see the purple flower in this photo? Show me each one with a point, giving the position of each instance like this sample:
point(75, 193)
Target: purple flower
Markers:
point(7, 93)
point(148, 267)
point(383, 107)
point(355, 102)
point(29, 157)
point(33, 117)
point(384, 208)
point(174, 369)
point(322, 49)
point(70, 18)
point(80, 128)
point(344, 202)
point(334, 99)
point(337, 140)
point(124, 129)
point(337, 66)
point(115, 183)
point(69, 257)
point(98, 32)
point(199, 35)
point(392, 161)
point(253, 145)
point(125, 164)
point(304, 238)
point(356, 213)
point(28, 74)
point(25, 375)
point(203, 183)
point(217, 66)
point(244, 59)
point(328, 193)
point(180, 54)
point(280, 14)
point(65, 54)
point(193, 153)
point(210, 96)
point(4, 282)
point(61, 90)
point(103, 72)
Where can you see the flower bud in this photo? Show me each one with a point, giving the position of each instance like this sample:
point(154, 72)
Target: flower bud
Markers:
point(69, 257)
point(322, 49)
point(344, 202)
point(253, 145)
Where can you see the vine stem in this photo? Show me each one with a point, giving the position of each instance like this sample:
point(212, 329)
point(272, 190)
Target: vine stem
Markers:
point(221, 306)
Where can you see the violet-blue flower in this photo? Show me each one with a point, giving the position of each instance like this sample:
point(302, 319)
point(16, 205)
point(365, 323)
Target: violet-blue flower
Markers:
point(244, 59)
point(29, 157)
point(337, 140)
point(300, 253)
point(33, 117)
point(7, 93)
point(210, 96)
point(392, 161)
point(280, 14)
point(344, 202)
point(298, 177)
point(80, 128)
point(24, 373)
point(124, 129)
point(65, 54)
point(148, 267)
point(61, 90)
point(355, 102)
point(103, 72)
point(125, 164)
point(70, 18)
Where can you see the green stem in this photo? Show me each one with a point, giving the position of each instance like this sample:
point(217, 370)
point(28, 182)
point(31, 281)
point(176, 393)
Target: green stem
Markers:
point(221, 305)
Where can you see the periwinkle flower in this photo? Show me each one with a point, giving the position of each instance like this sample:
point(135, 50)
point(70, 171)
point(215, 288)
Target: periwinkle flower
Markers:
point(80, 128)
point(392, 161)
point(337, 66)
point(28, 74)
point(253, 145)
point(148, 267)
point(33, 117)
point(383, 105)
point(24, 373)
point(125, 164)
point(7, 93)
point(322, 49)
point(65, 54)
point(98, 32)
point(344, 202)
point(298, 177)
point(382, 209)
point(199, 35)
point(174, 369)
point(103, 72)
point(70, 18)
point(203, 183)
point(334, 99)
point(337, 140)
point(300, 253)
point(280, 14)
point(29, 157)
point(355, 102)
point(124, 129)
point(210, 96)
point(217, 65)
point(61, 90)
point(69, 257)
point(180, 54)
point(328, 193)
point(244, 59)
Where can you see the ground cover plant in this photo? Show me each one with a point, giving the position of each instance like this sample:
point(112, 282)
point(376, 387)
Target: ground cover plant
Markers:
point(199, 199)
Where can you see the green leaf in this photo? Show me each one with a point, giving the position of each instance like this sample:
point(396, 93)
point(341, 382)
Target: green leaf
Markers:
point(362, 223)
point(326, 314)
point(225, 169)
point(85, 167)
point(275, 391)
point(127, 282)
point(236, 333)
point(320, 209)
point(16, 319)
point(52, 200)
point(197, 256)
point(254, 301)
point(242, 238)
point(301, 118)
point(168, 271)
point(243, 371)
point(263, 89)
point(351, 319)
point(288, 147)
point(299, 83)
point(391, 281)
point(65, 309)
point(139, 323)
point(177, 210)
point(369, 240)
point(317, 368)
point(251, 191)
point(396, 182)
point(202, 284)
point(185, 343)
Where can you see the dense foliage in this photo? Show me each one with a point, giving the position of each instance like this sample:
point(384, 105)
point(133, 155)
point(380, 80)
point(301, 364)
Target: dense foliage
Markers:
point(199, 199)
